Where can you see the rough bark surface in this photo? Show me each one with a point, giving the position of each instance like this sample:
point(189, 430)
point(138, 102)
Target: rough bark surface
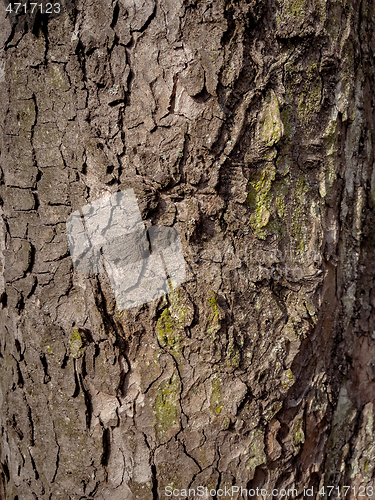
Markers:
point(248, 127)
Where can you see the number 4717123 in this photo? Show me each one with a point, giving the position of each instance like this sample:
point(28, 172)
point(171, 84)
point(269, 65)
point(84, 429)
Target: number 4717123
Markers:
point(33, 8)
point(342, 492)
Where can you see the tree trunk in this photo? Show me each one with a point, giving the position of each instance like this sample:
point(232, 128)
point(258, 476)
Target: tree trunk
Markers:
point(247, 127)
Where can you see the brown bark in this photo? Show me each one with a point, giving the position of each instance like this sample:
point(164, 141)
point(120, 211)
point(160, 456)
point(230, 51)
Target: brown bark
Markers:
point(247, 127)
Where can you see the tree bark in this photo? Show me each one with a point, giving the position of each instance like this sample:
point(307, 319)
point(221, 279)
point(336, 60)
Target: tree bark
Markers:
point(248, 127)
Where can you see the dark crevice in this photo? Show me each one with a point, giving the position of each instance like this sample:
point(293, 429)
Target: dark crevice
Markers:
point(173, 95)
point(106, 447)
point(20, 381)
point(36, 473)
point(18, 348)
point(5, 469)
point(88, 403)
point(43, 359)
point(57, 462)
point(65, 361)
point(155, 495)
point(148, 21)
point(77, 385)
point(116, 12)
point(192, 458)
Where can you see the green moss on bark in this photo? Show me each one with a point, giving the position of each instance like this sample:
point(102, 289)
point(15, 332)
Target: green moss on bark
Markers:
point(167, 406)
point(298, 434)
point(310, 97)
point(273, 128)
point(299, 215)
point(167, 331)
point(256, 450)
point(215, 399)
point(214, 319)
point(171, 323)
point(260, 198)
point(76, 345)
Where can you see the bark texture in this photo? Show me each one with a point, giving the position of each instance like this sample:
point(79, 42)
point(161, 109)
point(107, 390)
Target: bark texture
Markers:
point(248, 127)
